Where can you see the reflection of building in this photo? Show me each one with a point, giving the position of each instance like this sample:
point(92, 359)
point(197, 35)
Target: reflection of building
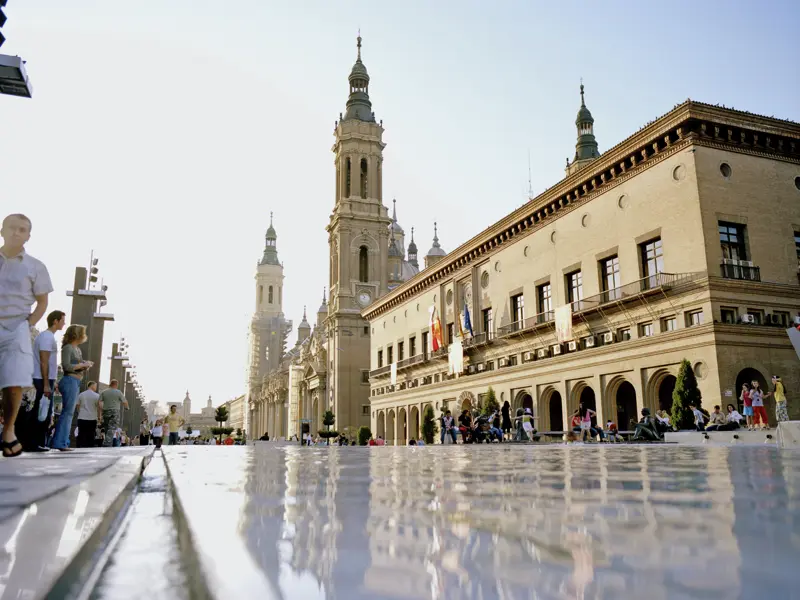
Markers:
point(328, 368)
point(680, 242)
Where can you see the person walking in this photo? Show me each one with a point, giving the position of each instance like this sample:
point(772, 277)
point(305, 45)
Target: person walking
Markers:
point(779, 393)
point(24, 281)
point(144, 433)
point(88, 417)
point(747, 404)
point(110, 401)
point(759, 412)
point(74, 367)
point(506, 421)
point(158, 433)
point(45, 371)
point(174, 422)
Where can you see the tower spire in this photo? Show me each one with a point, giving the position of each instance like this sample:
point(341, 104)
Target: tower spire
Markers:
point(358, 43)
point(271, 246)
point(586, 146)
point(359, 106)
point(394, 210)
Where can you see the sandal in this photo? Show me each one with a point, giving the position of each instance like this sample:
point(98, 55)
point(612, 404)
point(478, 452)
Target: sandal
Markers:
point(8, 446)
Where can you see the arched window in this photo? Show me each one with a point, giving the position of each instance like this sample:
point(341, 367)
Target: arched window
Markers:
point(260, 294)
point(363, 264)
point(363, 177)
point(270, 295)
point(346, 177)
point(280, 295)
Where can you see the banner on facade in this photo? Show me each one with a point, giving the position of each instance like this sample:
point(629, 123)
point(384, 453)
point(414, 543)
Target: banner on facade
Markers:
point(563, 315)
point(394, 374)
point(794, 337)
point(455, 357)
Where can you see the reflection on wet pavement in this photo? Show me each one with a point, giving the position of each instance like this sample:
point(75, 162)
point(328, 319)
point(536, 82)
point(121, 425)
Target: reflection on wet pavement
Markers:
point(146, 561)
point(497, 522)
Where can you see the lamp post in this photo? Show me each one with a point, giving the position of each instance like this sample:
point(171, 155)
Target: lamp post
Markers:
point(13, 76)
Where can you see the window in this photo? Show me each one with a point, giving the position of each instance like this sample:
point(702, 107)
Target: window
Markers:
point(512, 360)
point(364, 376)
point(412, 346)
point(669, 324)
point(449, 333)
point(797, 245)
point(652, 262)
point(728, 314)
point(425, 344)
point(261, 294)
point(490, 365)
point(364, 177)
point(365, 410)
point(363, 264)
point(400, 349)
point(380, 358)
point(366, 329)
point(731, 237)
point(757, 314)
point(487, 322)
point(575, 289)
point(609, 271)
point(346, 177)
point(269, 295)
point(624, 334)
point(780, 318)
point(694, 317)
point(544, 296)
point(518, 310)
point(389, 355)
point(645, 329)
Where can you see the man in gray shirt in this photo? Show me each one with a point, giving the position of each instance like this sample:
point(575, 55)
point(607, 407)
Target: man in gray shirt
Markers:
point(109, 404)
point(88, 403)
point(24, 281)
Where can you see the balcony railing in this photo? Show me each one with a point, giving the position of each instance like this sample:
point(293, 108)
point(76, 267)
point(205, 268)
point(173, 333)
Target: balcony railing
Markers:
point(411, 360)
point(380, 371)
point(741, 272)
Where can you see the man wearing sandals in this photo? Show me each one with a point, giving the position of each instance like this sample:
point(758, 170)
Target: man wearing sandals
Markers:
point(24, 281)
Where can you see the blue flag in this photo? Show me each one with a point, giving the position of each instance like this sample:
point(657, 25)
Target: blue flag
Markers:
point(467, 320)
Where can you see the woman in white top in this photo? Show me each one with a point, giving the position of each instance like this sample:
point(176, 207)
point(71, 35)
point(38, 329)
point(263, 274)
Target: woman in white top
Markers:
point(733, 417)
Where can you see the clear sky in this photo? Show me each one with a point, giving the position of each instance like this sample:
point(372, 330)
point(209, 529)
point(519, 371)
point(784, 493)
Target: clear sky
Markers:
point(161, 135)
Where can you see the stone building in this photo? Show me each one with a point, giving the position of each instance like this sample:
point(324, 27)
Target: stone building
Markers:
point(329, 366)
point(682, 241)
point(236, 413)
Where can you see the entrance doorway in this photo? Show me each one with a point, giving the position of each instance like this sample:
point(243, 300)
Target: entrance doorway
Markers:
point(665, 389)
point(626, 406)
point(556, 416)
point(588, 400)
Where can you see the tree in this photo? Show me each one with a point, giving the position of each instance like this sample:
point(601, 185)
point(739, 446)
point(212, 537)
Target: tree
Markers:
point(429, 425)
point(685, 394)
point(328, 419)
point(364, 434)
point(221, 415)
point(490, 403)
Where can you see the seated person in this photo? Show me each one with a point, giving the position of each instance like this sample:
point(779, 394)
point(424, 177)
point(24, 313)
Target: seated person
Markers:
point(648, 428)
point(613, 432)
point(716, 419)
point(495, 432)
point(733, 418)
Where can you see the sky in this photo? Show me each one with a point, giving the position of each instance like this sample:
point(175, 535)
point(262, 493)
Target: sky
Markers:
point(162, 134)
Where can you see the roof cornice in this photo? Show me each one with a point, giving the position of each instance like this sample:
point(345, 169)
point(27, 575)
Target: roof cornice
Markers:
point(688, 122)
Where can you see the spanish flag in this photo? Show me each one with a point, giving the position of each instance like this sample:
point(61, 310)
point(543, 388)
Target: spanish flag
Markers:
point(436, 330)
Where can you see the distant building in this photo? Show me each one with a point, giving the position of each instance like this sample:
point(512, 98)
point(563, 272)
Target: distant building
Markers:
point(236, 412)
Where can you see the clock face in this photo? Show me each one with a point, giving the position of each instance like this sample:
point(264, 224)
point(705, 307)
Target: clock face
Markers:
point(364, 298)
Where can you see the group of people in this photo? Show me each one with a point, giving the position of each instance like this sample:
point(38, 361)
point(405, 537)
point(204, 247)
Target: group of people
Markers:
point(474, 427)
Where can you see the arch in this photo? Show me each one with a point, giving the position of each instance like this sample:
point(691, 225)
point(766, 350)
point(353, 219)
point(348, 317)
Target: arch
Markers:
point(390, 427)
point(269, 295)
point(347, 172)
point(414, 425)
point(522, 399)
point(625, 400)
point(585, 394)
point(748, 375)
point(381, 425)
point(402, 422)
point(466, 399)
point(364, 181)
point(556, 412)
point(363, 264)
point(664, 392)
point(260, 295)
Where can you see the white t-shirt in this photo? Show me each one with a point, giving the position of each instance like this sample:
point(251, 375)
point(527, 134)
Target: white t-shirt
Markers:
point(88, 401)
point(157, 431)
point(46, 342)
point(699, 418)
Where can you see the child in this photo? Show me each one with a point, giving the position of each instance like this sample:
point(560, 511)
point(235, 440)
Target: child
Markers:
point(759, 412)
point(613, 432)
point(747, 401)
point(157, 433)
point(699, 418)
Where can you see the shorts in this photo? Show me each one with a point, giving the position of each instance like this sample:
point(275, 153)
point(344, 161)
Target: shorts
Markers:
point(748, 411)
point(586, 425)
point(16, 357)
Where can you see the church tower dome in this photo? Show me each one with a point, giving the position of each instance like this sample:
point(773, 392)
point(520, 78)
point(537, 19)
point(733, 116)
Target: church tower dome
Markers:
point(436, 253)
point(412, 251)
point(359, 106)
point(586, 146)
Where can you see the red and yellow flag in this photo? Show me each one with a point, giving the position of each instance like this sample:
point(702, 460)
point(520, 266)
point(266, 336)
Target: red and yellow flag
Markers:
point(436, 330)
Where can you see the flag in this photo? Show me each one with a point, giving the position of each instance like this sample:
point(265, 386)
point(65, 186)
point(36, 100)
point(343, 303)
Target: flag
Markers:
point(467, 320)
point(436, 330)
point(563, 319)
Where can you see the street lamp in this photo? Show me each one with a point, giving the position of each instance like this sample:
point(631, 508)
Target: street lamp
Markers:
point(13, 77)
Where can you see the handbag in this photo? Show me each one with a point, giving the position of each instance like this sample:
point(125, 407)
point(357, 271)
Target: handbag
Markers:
point(44, 408)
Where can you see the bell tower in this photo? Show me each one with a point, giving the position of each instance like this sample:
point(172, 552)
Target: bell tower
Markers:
point(358, 237)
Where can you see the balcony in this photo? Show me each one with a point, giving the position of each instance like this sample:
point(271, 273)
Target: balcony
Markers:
point(411, 360)
point(380, 371)
point(741, 271)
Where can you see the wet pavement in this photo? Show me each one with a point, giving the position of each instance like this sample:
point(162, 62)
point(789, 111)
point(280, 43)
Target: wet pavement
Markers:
point(51, 505)
point(512, 522)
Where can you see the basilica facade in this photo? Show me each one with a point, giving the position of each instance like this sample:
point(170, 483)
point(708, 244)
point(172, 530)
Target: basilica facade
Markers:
point(328, 368)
